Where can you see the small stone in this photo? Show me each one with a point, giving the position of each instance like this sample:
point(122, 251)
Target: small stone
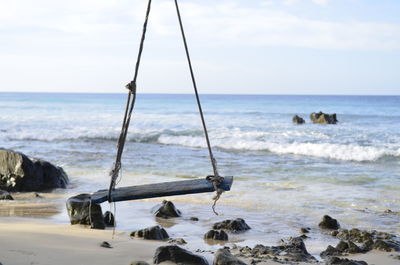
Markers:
point(329, 223)
point(139, 263)
point(151, 233)
point(237, 225)
point(195, 219)
point(78, 211)
point(166, 210)
point(109, 219)
point(304, 230)
point(105, 244)
point(179, 241)
point(216, 235)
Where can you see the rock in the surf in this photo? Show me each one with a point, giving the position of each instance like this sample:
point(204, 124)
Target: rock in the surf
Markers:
point(18, 172)
point(177, 255)
point(151, 233)
point(339, 261)
point(216, 235)
point(81, 211)
point(166, 210)
point(224, 257)
point(298, 120)
point(5, 195)
point(109, 219)
point(370, 240)
point(237, 225)
point(342, 248)
point(329, 223)
point(292, 250)
point(323, 118)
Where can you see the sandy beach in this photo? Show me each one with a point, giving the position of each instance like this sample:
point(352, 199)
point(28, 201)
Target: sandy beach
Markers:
point(29, 241)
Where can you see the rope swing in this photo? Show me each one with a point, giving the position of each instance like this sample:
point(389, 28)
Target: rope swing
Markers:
point(215, 179)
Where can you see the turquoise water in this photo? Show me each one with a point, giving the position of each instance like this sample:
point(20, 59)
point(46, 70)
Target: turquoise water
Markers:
point(286, 176)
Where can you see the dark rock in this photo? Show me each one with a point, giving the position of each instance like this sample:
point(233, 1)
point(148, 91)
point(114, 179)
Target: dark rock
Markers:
point(338, 261)
point(343, 247)
point(237, 225)
point(78, 211)
point(152, 233)
point(216, 235)
point(224, 257)
point(323, 118)
point(304, 236)
point(294, 250)
point(109, 219)
point(178, 241)
point(4, 195)
point(139, 263)
point(20, 173)
point(355, 235)
point(105, 244)
point(166, 210)
point(298, 120)
point(304, 230)
point(194, 219)
point(177, 255)
point(329, 223)
point(386, 245)
point(329, 252)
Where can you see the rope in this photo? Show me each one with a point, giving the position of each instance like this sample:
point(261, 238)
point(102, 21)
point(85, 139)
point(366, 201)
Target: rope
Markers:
point(128, 111)
point(216, 179)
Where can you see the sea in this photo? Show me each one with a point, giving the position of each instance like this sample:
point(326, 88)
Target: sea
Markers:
point(286, 176)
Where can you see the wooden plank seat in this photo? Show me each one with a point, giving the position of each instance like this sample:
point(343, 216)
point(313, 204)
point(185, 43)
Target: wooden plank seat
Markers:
point(160, 190)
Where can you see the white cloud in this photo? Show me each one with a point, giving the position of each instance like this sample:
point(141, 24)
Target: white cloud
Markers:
point(224, 23)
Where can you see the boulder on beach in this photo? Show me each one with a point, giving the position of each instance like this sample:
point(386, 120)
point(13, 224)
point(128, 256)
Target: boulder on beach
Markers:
point(151, 233)
point(109, 219)
point(224, 257)
point(5, 195)
point(323, 118)
point(81, 211)
point(216, 235)
point(166, 210)
point(329, 223)
point(21, 173)
point(177, 255)
point(298, 120)
point(237, 225)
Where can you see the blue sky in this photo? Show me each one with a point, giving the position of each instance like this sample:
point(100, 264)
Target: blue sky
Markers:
point(237, 47)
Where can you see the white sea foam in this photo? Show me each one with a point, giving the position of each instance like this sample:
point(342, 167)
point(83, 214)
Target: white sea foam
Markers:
point(323, 150)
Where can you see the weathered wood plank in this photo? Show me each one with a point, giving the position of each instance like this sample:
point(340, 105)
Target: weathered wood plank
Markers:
point(160, 190)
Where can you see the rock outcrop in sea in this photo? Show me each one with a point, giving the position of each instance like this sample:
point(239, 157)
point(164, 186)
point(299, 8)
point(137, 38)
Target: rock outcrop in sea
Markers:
point(323, 118)
point(298, 120)
point(216, 235)
point(18, 172)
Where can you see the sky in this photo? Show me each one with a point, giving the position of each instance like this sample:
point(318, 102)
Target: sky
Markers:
point(237, 46)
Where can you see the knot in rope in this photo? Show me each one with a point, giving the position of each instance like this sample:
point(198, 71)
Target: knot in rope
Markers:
point(216, 181)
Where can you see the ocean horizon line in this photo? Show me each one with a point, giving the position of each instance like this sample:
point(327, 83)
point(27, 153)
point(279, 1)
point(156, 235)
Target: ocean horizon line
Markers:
point(206, 94)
